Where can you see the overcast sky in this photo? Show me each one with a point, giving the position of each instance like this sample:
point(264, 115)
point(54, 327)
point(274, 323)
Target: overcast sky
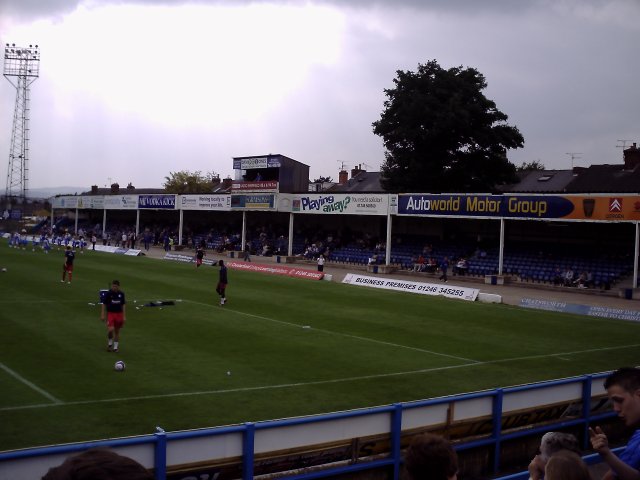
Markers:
point(130, 91)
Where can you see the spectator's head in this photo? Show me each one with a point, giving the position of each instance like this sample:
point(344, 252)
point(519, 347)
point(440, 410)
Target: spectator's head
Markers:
point(98, 464)
point(431, 457)
point(566, 465)
point(623, 387)
point(553, 442)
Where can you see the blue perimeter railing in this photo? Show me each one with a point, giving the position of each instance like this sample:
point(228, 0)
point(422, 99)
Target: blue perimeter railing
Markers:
point(161, 438)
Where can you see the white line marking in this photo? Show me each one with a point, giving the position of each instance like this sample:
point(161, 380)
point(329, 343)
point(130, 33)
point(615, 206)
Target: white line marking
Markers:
point(305, 384)
point(29, 384)
point(330, 332)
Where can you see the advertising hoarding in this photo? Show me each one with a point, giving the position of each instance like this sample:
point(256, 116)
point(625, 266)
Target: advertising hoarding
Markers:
point(205, 202)
point(165, 202)
point(121, 202)
point(566, 207)
point(253, 202)
point(340, 203)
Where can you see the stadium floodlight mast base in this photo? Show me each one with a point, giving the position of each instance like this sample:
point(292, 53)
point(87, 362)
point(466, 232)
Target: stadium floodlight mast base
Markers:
point(21, 69)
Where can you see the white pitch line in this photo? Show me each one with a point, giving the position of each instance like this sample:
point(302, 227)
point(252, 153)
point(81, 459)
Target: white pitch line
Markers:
point(29, 384)
point(347, 335)
point(237, 390)
point(305, 384)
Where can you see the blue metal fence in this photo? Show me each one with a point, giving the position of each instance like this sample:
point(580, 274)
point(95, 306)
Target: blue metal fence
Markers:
point(160, 440)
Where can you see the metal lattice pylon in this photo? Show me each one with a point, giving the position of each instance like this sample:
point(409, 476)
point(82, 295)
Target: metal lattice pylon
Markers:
point(21, 69)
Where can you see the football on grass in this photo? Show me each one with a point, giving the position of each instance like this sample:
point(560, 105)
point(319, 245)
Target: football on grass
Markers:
point(119, 366)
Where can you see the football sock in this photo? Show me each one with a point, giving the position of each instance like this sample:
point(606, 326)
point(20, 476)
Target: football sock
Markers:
point(115, 345)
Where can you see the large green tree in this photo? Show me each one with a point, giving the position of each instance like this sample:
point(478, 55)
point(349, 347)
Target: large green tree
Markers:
point(441, 134)
point(190, 182)
point(535, 165)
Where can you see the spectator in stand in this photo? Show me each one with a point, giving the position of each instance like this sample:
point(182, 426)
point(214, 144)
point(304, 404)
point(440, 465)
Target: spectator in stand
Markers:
point(98, 464)
point(581, 281)
point(623, 389)
point(550, 444)
point(566, 465)
point(462, 267)
point(558, 276)
point(431, 457)
point(418, 266)
point(590, 282)
point(373, 260)
point(568, 277)
point(321, 263)
point(432, 265)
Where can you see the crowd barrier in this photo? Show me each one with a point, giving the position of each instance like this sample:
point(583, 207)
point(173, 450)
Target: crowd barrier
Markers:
point(327, 445)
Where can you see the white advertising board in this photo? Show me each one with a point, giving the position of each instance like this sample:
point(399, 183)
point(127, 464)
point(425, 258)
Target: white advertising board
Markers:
point(65, 202)
point(91, 201)
point(338, 203)
point(449, 291)
point(121, 202)
point(204, 202)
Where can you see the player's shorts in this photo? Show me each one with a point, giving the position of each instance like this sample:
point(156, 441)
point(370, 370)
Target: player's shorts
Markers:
point(198, 261)
point(115, 319)
point(221, 286)
point(67, 268)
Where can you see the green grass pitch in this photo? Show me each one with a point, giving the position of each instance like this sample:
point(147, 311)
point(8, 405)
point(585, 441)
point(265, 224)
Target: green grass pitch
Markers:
point(293, 347)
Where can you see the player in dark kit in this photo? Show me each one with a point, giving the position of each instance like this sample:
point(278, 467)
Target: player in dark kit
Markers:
point(67, 266)
point(200, 253)
point(114, 305)
point(222, 283)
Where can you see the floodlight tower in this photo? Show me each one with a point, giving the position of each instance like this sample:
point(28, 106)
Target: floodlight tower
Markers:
point(21, 68)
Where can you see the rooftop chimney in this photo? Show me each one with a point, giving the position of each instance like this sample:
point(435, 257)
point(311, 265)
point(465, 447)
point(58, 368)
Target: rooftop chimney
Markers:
point(94, 189)
point(115, 188)
point(631, 157)
point(343, 177)
point(226, 183)
point(356, 171)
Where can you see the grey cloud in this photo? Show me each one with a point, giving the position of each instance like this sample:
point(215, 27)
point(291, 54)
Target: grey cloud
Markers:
point(35, 9)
